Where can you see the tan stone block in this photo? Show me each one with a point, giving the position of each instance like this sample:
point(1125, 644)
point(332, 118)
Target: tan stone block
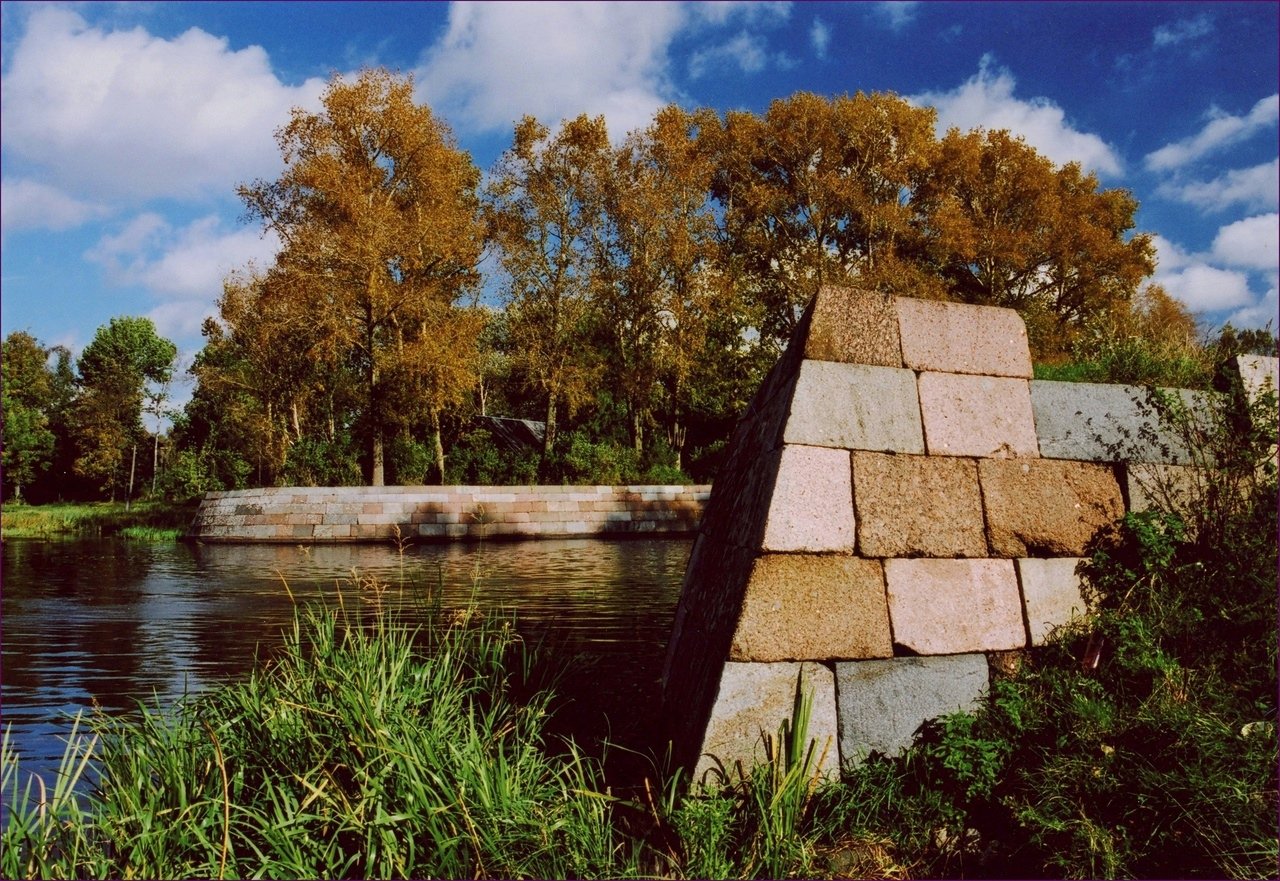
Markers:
point(755, 698)
point(1051, 594)
point(961, 338)
point(947, 607)
point(1046, 507)
point(977, 416)
point(808, 607)
point(812, 504)
point(917, 506)
point(854, 327)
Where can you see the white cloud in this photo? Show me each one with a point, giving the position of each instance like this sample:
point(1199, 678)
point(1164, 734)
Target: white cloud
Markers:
point(1253, 188)
point(1260, 314)
point(28, 204)
point(1182, 30)
point(1222, 130)
point(896, 14)
point(1204, 288)
point(110, 114)
point(986, 100)
point(747, 51)
point(500, 61)
point(820, 37)
point(183, 267)
point(1252, 243)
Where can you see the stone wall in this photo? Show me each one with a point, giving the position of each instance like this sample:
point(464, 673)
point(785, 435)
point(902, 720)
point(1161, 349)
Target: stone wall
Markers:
point(900, 504)
point(352, 513)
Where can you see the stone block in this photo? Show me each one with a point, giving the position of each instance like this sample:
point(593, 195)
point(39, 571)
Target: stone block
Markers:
point(754, 699)
point(855, 407)
point(1155, 485)
point(1045, 507)
point(1258, 373)
point(977, 416)
point(917, 506)
point(884, 703)
point(1109, 423)
point(946, 607)
point(811, 508)
point(807, 607)
point(960, 338)
point(1051, 594)
point(854, 327)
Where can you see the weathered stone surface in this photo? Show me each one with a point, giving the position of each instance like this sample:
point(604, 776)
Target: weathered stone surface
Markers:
point(854, 327)
point(945, 607)
point(812, 504)
point(960, 338)
point(909, 506)
point(808, 607)
point(977, 416)
point(1174, 488)
point(756, 697)
point(855, 407)
point(883, 703)
point(1045, 507)
point(1093, 422)
point(1258, 373)
point(1051, 593)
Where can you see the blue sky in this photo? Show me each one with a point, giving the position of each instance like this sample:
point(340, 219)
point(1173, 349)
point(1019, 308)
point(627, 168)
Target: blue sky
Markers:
point(125, 127)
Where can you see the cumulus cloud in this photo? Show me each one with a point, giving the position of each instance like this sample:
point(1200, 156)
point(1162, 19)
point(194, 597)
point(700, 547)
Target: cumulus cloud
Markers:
point(499, 61)
point(745, 51)
point(896, 14)
point(1261, 314)
point(986, 100)
point(1252, 188)
point(1201, 286)
point(28, 204)
point(819, 37)
point(1222, 130)
point(1252, 243)
point(1182, 30)
point(183, 267)
point(121, 113)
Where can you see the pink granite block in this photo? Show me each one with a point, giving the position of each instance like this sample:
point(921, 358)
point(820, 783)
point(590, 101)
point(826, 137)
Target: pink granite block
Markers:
point(812, 504)
point(1051, 594)
point(947, 607)
point(813, 607)
point(979, 416)
point(961, 338)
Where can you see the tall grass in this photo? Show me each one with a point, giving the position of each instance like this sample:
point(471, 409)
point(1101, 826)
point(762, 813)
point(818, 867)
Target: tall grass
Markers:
point(155, 521)
point(366, 749)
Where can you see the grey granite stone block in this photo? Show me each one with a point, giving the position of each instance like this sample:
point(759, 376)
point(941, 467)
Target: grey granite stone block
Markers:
point(855, 407)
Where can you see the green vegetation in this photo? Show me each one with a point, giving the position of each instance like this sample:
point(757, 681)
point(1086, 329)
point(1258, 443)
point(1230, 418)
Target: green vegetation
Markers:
point(152, 521)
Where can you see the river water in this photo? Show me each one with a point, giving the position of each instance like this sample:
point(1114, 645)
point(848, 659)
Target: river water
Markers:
point(109, 623)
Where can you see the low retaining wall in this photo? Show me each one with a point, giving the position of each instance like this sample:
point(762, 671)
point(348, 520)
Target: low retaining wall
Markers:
point(356, 513)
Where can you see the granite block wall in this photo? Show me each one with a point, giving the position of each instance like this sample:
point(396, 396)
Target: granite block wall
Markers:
point(353, 513)
point(900, 501)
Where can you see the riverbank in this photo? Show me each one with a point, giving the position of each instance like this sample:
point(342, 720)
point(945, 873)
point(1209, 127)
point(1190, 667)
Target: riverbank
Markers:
point(142, 520)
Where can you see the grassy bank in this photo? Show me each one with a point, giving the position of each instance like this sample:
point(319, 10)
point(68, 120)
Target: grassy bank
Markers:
point(147, 521)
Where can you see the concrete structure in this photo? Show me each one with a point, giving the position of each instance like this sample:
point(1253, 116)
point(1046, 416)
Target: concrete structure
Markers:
point(303, 515)
point(900, 504)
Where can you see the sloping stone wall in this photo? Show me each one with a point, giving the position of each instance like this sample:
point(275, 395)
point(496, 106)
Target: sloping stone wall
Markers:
point(354, 513)
point(900, 501)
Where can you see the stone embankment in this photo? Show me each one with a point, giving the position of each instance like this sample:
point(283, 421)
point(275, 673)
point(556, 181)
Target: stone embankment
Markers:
point(305, 515)
point(900, 506)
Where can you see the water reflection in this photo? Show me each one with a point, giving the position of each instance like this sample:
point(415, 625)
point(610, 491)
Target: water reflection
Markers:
point(114, 623)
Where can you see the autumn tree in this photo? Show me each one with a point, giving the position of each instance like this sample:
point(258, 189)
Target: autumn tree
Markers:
point(660, 277)
point(377, 214)
point(1003, 226)
point(543, 207)
point(27, 391)
point(818, 191)
point(123, 359)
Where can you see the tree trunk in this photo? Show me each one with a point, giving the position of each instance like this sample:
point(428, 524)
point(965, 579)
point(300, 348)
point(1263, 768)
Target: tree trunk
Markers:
point(439, 445)
point(376, 469)
point(548, 436)
point(637, 430)
point(133, 467)
point(155, 460)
